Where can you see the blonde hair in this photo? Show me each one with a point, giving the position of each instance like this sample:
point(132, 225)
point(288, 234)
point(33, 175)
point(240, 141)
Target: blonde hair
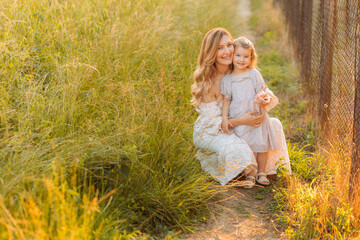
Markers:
point(206, 63)
point(247, 44)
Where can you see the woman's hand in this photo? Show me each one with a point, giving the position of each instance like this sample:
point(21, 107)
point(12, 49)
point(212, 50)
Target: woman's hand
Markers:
point(248, 119)
point(225, 124)
point(252, 120)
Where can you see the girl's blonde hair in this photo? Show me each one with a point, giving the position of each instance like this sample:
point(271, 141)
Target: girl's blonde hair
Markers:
point(206, 63)
point(247, 44)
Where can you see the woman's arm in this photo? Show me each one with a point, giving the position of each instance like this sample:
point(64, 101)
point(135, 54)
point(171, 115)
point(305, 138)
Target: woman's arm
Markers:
point(248, 119)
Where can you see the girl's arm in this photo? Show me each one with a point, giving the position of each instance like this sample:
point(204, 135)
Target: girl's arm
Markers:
point(266, 100)
point(262, 86)
point(225, 116)
point(262, 99)
point(273, 100)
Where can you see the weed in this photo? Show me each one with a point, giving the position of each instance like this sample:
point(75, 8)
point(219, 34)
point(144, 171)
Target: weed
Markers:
point(261, 193)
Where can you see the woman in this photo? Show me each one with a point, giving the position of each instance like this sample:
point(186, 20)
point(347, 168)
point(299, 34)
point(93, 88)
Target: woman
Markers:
point(223, 156)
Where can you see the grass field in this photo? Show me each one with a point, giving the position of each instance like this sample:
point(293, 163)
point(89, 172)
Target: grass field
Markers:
point(96, 124)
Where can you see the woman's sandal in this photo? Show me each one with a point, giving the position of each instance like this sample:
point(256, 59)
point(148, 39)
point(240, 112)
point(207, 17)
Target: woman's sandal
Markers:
point(262, 179)
point(249, 182)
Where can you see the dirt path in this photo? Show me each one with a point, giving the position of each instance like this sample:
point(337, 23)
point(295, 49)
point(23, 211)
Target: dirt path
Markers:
point(244, 13)
point(240, 213)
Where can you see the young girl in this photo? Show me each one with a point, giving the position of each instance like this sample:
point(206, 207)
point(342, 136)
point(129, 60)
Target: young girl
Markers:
point(244, 90)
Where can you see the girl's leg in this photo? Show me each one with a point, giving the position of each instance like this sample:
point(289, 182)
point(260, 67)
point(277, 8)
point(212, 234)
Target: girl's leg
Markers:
point(262, 161)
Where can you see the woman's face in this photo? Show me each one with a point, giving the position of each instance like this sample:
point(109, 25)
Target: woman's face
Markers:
point(225, 51)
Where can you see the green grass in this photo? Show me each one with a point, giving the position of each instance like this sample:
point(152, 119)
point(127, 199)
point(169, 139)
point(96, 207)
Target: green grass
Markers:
point(96, 125)
point(102, 89)
point(262, 192)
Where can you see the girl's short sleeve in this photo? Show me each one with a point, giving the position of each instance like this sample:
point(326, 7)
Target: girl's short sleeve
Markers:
point(226, 87)
point(259, 81)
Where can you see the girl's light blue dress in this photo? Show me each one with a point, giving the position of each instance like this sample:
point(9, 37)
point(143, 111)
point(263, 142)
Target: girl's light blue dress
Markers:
point(241, 91)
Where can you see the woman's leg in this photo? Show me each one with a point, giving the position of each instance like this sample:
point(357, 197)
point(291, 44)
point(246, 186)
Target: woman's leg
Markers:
point(250, 179)
point(252, 173)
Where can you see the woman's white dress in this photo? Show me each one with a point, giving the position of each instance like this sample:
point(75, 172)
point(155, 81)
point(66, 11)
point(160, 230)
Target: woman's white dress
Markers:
point(225, 156)
point(222, 156)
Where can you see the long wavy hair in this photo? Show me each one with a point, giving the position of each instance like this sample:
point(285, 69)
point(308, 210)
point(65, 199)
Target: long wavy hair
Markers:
point(206, 64)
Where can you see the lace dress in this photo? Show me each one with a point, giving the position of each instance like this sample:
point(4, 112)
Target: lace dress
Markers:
point(222, 156)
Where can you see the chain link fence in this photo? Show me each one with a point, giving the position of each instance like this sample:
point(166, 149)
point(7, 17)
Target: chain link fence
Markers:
point(326, 37)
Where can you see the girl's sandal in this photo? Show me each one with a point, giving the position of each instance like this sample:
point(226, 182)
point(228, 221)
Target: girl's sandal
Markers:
point(249, 182)
point(262, 179)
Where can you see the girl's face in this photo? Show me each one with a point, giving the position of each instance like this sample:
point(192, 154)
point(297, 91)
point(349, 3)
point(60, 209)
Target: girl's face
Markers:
point(225, 51)
point(242, 58)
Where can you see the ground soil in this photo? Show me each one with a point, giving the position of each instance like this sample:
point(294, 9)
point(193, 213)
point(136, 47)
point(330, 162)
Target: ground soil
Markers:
point(240, 213)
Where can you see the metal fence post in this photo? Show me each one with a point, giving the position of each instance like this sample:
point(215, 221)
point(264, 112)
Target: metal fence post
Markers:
point(355, 158)
point(300, 29)
point(326, 61)
point(306, 42)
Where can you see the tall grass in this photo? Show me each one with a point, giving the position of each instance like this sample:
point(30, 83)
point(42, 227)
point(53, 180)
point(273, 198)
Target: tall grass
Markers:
point(101, 88)
point(313, 202)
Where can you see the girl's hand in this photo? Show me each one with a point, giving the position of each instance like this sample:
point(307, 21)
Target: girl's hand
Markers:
point(266, 100)
point(262, 99)
point(252, 120)
point(225, 124)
